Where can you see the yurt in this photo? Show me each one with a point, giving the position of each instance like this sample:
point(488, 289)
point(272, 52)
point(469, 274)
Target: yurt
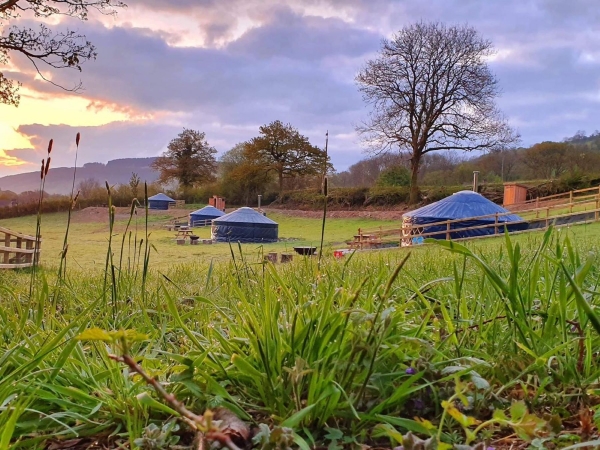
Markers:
point(244, 225)
point(160, 201)
point(463, 204)
point(204, 215)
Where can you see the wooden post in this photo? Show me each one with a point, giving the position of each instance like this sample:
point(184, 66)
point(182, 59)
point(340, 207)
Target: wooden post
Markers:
point(19, 256)
point(286, 257)
point(496, 224)
point(447, 230)
point(537, 205)
point(571, 204)
point(596, 211)
point(571, 197)
point(29, 246)
point(6, 244)
point(547, 216)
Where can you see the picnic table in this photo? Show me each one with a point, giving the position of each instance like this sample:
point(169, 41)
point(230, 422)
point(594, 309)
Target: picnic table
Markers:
point(365, 240)
point(184, 232)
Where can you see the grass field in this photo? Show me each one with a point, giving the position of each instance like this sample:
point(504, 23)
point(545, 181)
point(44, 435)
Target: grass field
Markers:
point(492, 341)
point(89, 237)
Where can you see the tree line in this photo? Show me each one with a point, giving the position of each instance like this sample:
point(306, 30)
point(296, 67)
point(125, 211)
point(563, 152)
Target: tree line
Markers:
point(574, 160)
point(279, 158)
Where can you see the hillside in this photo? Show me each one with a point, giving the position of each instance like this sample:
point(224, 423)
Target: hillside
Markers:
point(59, 181)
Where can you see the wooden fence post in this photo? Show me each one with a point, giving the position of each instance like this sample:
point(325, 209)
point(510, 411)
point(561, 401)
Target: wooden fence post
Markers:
point(597, 207)
point(496, 225)
point(537, 205)
point(6, 244)
point(571, 202)
point(448, 230)
point(547, 216)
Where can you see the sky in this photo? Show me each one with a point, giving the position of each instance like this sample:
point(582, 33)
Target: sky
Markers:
point(226, 67)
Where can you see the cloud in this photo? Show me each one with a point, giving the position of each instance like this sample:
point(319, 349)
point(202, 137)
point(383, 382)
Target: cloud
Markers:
point(98, 144)
point(229, 66)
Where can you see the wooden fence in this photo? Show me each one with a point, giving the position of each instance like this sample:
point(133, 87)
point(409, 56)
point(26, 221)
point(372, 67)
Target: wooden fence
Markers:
point(579, 209)
point(565, 198)
point(22, 254)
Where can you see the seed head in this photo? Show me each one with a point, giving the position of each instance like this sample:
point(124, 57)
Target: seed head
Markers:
point(50, 145)
point(47, 166)
point(42, 171)
point(77, 139)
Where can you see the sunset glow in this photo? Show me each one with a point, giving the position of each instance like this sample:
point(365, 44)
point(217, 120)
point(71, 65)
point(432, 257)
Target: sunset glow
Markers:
point(227, 67)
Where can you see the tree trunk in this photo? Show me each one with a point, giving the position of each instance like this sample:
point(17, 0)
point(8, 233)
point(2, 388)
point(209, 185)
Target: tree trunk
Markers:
point(415, 161)
point(280, 183)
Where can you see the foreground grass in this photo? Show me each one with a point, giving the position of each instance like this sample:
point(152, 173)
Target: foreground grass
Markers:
point(345, 354)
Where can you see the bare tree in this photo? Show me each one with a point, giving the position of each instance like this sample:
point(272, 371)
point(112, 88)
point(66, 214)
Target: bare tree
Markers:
point(90, 188)
point(67, 49)
point(549, 159)
point(430, 89)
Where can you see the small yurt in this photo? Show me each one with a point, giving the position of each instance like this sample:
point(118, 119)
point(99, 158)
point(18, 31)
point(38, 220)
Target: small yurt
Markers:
point(464, 204)
point(204, 215)
point(244, 225)
point(160, 201)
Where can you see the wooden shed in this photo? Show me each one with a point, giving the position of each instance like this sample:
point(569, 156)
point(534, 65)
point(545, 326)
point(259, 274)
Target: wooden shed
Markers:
point(514, 193)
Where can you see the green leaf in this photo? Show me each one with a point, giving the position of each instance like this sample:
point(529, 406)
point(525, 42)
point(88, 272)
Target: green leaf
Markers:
point(333, 433)
point(95, 334)
point(246, 367)
point(145, 399)
point(294, 420)
point(517, 411)
point(407, 424)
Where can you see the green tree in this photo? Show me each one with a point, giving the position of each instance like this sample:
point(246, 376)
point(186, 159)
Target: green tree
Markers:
point(189, 160)
point(430, 89)
point(42, 47)
point(242, 178)
point(394, 176)
point(282, 150)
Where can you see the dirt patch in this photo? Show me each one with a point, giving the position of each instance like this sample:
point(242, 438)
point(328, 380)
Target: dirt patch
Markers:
point(367, 214)
point(99, 214)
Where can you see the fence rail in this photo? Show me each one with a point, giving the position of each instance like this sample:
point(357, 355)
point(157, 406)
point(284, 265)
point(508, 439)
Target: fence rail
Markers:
point(548, 200)
point(24, 253)
point(579, 209)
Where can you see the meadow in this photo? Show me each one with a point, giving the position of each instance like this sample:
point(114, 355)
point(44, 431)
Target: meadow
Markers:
point(491, 342)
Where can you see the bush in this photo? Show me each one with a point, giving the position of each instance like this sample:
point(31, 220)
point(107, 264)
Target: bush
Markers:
point(387, 196)
point(394, 176)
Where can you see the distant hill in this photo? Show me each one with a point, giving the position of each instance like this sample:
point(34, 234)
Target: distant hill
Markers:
point(60, 179)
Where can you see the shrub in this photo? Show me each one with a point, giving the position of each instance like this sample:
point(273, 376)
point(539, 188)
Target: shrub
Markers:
point(387, 196)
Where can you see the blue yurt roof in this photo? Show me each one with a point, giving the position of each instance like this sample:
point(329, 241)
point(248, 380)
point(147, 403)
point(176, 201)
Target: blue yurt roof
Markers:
point(161, 197)
point(461, 205)
point(208, 211)
point(245, 215)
